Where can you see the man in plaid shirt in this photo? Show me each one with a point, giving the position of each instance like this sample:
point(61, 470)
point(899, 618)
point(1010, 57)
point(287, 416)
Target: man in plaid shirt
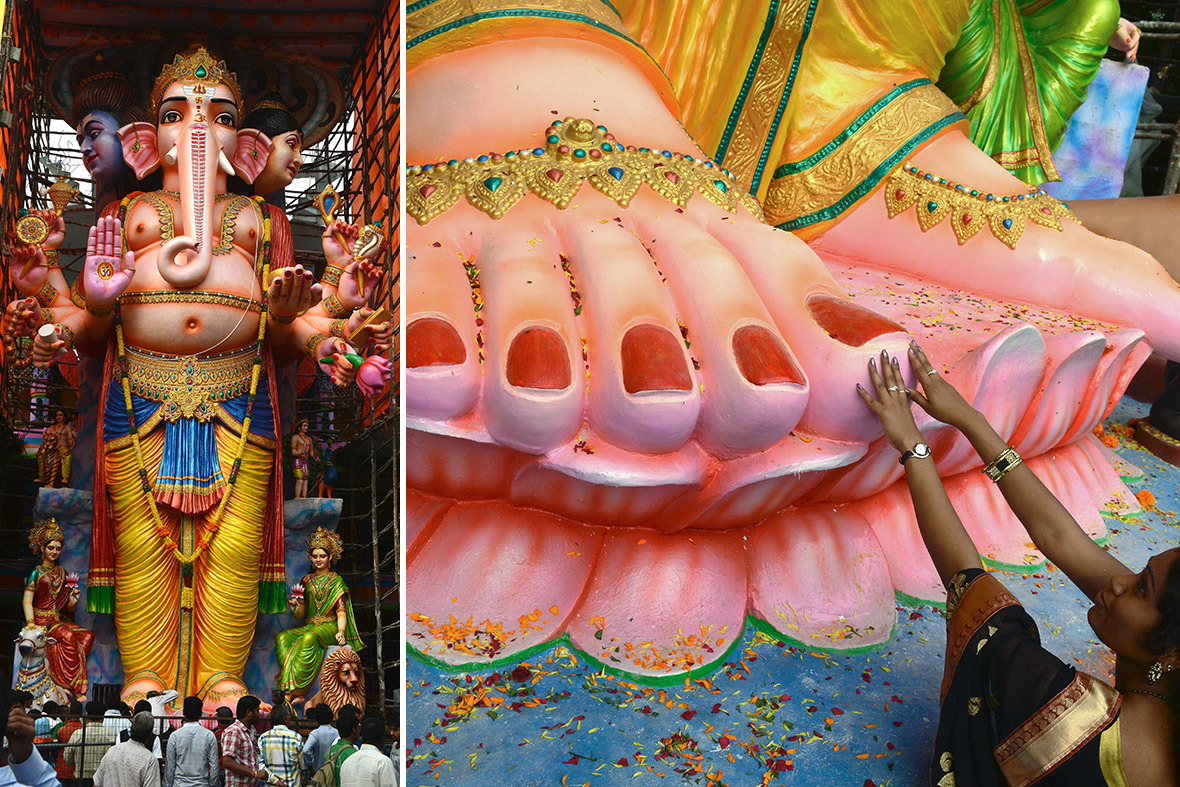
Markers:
point(281, 748)
point(239, 749)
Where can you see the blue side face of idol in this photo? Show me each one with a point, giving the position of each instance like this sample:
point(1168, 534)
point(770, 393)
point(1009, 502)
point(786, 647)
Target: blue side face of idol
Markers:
point(102, 154)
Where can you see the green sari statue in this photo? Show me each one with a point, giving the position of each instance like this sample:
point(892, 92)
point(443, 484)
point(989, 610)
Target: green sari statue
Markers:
point(322, 600)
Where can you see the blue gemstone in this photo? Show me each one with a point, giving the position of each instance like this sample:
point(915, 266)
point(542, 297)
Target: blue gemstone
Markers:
point(1020, 196)
point(615, 172)
point(452, 162)
point(1007, 224)
point(666, 153)
point(709, 164)
point(579, 153)
point(990, 198)
point(552, 139)
point(493, 183)
point(328, 202)
point(538, 151)
point(931, 206)
point(721, 185)
point(1065, 204)
point(482, 158)
point(929, 176)
point(958, 187)
point(558, 122)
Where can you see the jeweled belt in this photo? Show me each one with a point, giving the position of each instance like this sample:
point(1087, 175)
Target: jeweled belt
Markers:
point(206, 296)
point(188, 386)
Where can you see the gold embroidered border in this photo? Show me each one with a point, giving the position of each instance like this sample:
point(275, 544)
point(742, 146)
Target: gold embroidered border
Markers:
point(1017, 158)
point(837, 174)
point(192, 296)
point(1064, 725)
point(765, 93)
point(993, 64)
point(983, 598)
point(1035, 118)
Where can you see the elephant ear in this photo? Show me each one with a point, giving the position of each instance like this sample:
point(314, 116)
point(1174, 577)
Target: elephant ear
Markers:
point(140, 149)
point(253, 151)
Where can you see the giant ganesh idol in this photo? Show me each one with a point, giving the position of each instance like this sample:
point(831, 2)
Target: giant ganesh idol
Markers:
point(655, 248)
point(189, 289)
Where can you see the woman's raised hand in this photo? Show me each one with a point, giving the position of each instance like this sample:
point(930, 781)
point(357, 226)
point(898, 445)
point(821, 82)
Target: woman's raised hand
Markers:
point(892, 403)
point(938, 397)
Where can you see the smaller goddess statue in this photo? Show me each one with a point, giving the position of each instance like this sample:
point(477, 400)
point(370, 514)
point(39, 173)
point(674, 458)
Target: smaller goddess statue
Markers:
point(57, 447)
point(50, 598)
point(322, 600)
point(302, 451)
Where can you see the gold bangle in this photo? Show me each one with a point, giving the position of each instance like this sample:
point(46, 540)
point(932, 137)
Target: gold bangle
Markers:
point(1002, 464)
point(65, 333)
point(47, 294)
point(51, 258)
point(76, 296)
point(47, 316)
point(283, 320)
point(314, 342)
point(334, 307)
point(337, 328)
point(332, 276)
point(101, 311)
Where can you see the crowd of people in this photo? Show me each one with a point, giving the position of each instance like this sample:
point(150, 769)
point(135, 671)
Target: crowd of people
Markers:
point(112, 745)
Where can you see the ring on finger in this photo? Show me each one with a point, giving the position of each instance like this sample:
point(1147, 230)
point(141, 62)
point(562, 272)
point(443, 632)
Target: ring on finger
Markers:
point(893, 388)
point(932, 371)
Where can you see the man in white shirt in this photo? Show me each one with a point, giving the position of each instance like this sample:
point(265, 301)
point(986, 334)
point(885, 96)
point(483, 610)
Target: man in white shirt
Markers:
point(192, 751)
point(369, 767)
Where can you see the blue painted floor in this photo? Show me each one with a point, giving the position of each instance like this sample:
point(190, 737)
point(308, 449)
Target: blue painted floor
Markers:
point(774, 714)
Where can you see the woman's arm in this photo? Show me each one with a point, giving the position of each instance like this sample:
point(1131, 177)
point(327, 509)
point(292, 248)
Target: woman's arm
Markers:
point(27, 604)
point(948, 543)
point(1052, 528)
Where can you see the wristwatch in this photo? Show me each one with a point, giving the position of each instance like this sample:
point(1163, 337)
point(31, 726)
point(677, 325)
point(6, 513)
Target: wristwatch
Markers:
point(919, 451)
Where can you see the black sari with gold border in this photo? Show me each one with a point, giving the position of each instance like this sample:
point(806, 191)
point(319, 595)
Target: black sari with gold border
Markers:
point(1011, 712)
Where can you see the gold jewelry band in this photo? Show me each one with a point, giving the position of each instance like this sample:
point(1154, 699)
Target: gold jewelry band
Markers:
point(334, 307)
point(188, 386)
point(332, 276)
point(46, 295)
point(1002, 464)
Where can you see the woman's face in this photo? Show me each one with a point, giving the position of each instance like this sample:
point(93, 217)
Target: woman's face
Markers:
point(319, 558)
point(1127, 611)
point(101, 152)
point(286, 157)
point(51, 551)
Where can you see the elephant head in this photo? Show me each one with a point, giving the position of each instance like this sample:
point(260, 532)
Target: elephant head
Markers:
point(197, 105)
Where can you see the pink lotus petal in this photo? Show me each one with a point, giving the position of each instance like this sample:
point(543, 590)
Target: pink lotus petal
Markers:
point(1073, 363)
point(660, 605)
point(423, 513)
point(819, 576)
point(1125, 353)
point(494, 580)
point(1105, 481)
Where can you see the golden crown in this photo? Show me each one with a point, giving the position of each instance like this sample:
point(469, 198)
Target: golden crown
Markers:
point(200, 67)
point(43, 532)
point(327, 541)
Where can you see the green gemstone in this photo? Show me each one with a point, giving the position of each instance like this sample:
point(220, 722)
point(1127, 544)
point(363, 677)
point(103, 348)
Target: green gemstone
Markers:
point(931, 206)
point(201, 72)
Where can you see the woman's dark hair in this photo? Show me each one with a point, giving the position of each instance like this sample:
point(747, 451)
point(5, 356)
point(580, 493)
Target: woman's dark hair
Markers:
point(110, 92)
point(1167, 636)
point(270, 120)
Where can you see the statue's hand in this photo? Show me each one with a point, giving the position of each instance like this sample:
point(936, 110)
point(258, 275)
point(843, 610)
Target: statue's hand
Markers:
point(1126, 38)
point(341, 369)
point(377, 337)
point(108, 271)
point(293, 292)
point(28, 268)
point(21, 318)
point(358, 282)
point(340, 638)
point(57, 228)
point(338, 255)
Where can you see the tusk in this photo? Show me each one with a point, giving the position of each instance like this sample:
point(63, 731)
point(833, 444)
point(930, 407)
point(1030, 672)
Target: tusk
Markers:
point(170, 157)
point(223, 162)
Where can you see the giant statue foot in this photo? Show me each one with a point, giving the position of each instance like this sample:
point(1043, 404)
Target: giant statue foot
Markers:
point(636, 427)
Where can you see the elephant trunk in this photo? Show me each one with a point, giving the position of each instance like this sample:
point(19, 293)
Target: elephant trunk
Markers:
point(185, 261)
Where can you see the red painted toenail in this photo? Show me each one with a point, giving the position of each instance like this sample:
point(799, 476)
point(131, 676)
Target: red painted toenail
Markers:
point(433, 342)
point(653, 361)
point(846, 322)
point(538, 358)
point(762, 358)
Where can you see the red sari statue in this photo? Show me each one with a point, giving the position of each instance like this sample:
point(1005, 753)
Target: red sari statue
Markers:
point(50, 598)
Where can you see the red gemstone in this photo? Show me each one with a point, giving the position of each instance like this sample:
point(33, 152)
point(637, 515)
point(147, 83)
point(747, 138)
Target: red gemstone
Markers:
point(555, 175)
point(672, 177)
point(1046, 211)
point(564, 149)
point(427, 190)
point(899, 193)
point(967, 217)
point(595, 153)
point(497, 157)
